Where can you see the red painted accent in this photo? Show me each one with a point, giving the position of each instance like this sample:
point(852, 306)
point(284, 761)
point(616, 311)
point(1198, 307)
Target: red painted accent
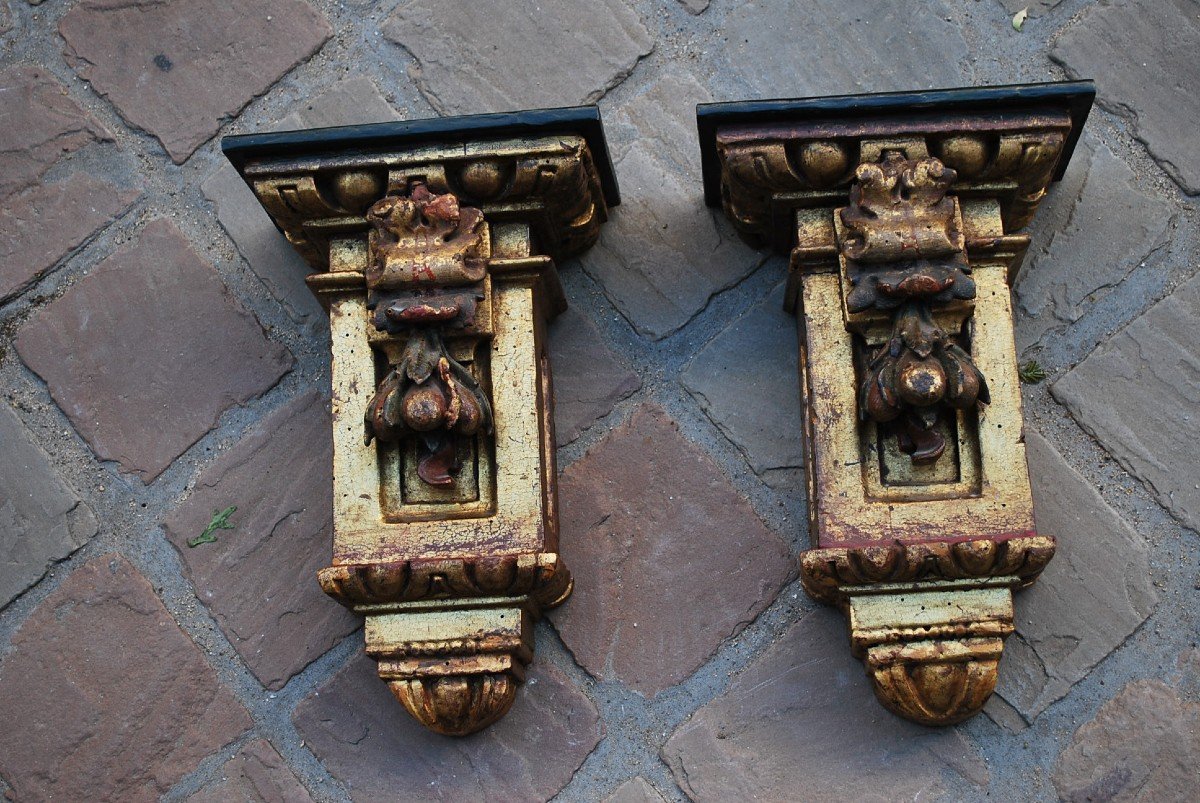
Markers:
point(860, 544)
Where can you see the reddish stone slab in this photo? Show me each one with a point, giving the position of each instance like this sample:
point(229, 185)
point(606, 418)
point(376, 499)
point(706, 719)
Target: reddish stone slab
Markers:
point(800, 723)
point(114, 701)
point(257, 774)
point(671, 559)
point(259, 579)
point(41, 519)
point(367, 740)
point(589, 379)
point(46, 222)
point(41, 124)
point(1143, 745)
point(180, 69)
point(147, 351)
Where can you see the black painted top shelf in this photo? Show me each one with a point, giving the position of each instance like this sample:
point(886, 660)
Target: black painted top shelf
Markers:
point(1073, 96)
point(583, 121)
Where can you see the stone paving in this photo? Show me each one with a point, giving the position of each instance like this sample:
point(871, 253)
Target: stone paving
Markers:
point(161, 360)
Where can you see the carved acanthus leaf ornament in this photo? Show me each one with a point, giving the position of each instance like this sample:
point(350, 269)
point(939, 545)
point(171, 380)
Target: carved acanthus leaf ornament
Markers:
point(904, 254)
point(426, 274)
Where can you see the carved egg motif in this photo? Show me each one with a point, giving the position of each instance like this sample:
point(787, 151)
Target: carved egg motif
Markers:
point(824, 163)
point(483, 180)
point(967, 155)
point(355, 190)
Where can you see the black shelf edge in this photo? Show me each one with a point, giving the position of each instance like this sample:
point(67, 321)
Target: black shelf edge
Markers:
point(1075, 96)
point(581, 121)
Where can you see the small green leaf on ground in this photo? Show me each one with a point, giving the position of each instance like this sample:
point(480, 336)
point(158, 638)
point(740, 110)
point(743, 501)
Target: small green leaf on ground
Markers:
point(1031, 372)
point(1019, 18)
point(220, 521)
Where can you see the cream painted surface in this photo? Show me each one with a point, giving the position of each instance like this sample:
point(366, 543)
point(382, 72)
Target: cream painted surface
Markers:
point(843, 511)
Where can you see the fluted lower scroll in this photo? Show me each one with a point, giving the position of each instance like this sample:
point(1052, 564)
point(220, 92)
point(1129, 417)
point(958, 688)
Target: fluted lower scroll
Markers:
point(456, 705)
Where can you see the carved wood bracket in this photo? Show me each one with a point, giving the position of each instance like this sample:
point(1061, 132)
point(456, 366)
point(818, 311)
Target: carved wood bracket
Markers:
point(434, 244)
point(901, 214)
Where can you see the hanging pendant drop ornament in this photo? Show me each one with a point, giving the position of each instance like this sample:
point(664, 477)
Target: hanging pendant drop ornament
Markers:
point(430, 399)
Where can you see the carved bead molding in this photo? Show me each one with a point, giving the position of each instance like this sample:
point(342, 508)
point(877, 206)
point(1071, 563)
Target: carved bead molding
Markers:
point(434, 245)
point(901, 215)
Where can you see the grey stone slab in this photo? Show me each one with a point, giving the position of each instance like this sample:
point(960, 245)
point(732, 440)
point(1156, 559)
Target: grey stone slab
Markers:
point(145, 352)
point(784, 49)
point(663, 254)
point(1095, 592)
point(1142, 55)
point(41, 125)
point(675, 559)
point(259, 578)
point(41, 519)
point(662, 120)
point(1036, 8)
point(117, 702)
point(747, 383)
point(350, 101)
point(265, 249)
point(589, 379)
point(1138, 394)
point(45, 223)
point(367, 741)
point(1143, 745)
point(178, 70)
point(800, 723)
point(1099, 225)
point(491, 55)
point(268, 253)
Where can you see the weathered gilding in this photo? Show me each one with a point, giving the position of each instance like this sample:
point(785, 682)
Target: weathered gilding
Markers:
point(436, 262)
point(902, 231)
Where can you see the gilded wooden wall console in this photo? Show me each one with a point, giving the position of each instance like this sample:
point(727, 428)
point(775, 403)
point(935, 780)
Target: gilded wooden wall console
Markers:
point(902, 215)
point(434, 244)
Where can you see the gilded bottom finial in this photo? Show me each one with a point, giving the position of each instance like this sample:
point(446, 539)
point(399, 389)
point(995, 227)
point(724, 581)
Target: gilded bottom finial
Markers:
point(935, 682)
point(454, 664)
point(457, 705)
point(932, 649)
